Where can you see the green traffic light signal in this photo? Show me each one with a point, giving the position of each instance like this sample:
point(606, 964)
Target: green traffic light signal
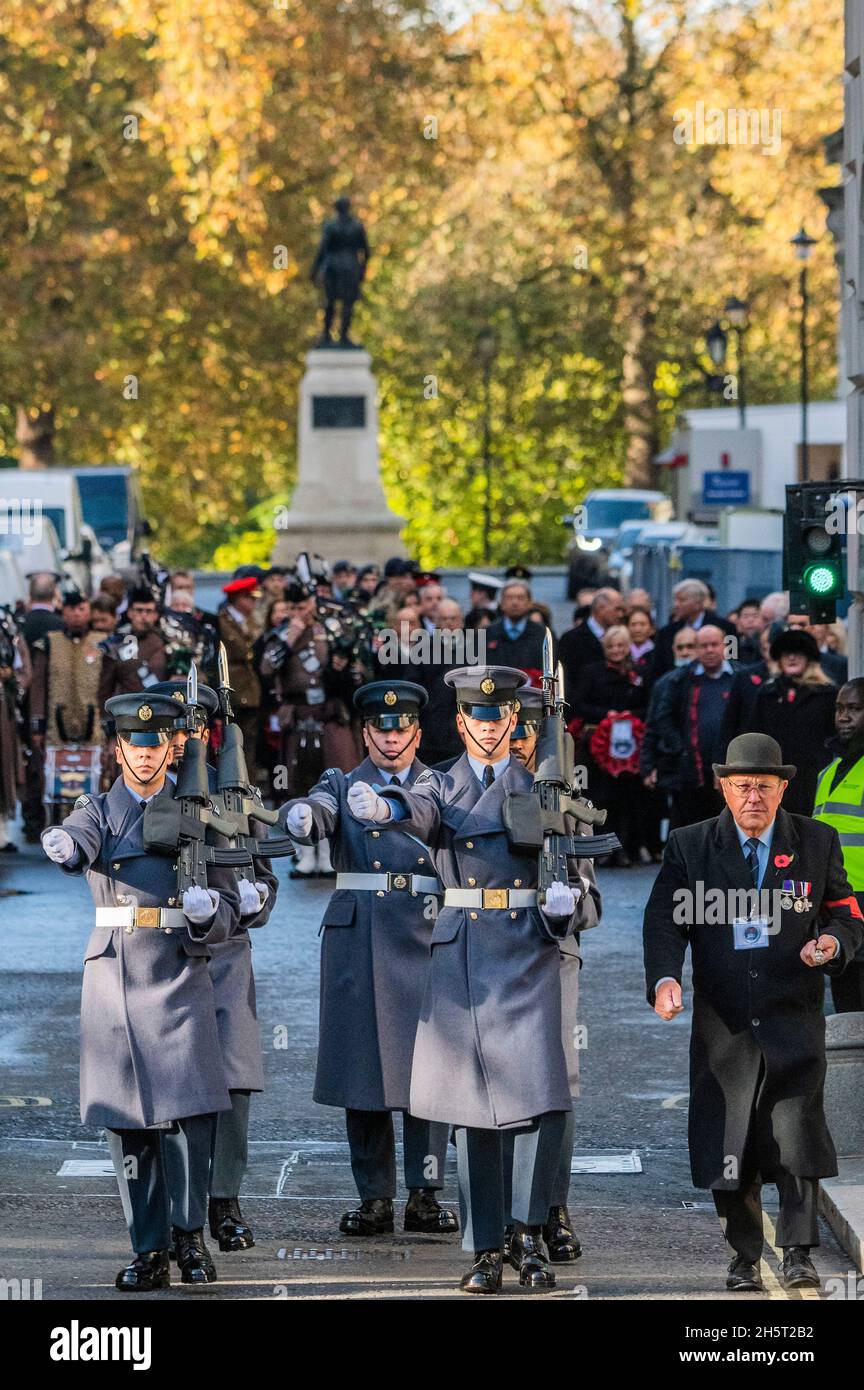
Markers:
point(821, 580)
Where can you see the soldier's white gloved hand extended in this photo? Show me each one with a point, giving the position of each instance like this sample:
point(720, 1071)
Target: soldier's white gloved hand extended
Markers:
point(366, 804)
point(299, 820)
point(560, 901)
point(58, 845)
point(200, 904)
point(253, 896)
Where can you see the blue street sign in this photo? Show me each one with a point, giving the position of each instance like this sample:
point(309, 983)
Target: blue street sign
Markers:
point(726, 488)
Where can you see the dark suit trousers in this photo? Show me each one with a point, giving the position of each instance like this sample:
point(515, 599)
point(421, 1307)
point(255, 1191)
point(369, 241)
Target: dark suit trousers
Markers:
point(162, 1175)
point(482, 1191)
point(373, 1152)
point(742, 1211)
point(230, 1149)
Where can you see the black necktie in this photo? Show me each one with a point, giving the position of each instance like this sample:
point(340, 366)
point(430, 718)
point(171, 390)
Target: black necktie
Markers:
point(753, 859)
point(488, 775)
point(395, 781)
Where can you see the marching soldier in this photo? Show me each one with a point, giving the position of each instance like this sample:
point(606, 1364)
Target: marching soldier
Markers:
point(238, 630)
point(374, 962)
point(488, 1054)
point(151, 1065)
point(561, 1241)
point(64, 691)
point(230, 968)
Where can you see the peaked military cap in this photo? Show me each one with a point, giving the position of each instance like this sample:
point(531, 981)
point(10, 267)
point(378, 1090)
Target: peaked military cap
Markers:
point(487, 689)
point(530, 712)
point(142, 718)
point(390, 704)
point(208, 700)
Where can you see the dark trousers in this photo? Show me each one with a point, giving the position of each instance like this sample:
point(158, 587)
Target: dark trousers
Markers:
point(33, 792)
point(561, 1183)
point(162, 1175)
point(482, 1193)
point(373, 1152)
point(230, 1148)
point(693, 804)
point(742, 1213)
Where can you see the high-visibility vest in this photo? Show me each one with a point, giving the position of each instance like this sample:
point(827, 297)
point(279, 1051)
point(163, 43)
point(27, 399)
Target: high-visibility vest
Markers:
point(844, 809)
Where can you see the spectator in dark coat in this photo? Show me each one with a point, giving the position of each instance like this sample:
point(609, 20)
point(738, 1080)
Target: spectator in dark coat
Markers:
point(439, 737)
point(687, 727)
point(748, 623)
point(582, 645)
point(689, 609)
point(835, 666)
point(516, 639)
point(796, 708)
point(613, 686)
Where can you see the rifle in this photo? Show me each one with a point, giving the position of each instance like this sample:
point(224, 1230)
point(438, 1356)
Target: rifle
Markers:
point(543, 821)
point(178, 825)
point(241, 802)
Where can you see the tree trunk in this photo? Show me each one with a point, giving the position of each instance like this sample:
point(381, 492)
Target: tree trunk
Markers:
point(637, 380)
point(35, 435)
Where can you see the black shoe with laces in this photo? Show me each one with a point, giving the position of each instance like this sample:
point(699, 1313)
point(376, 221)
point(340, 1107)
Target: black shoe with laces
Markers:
point(373, 1217)
point(227, 1224)
point(562, 1244)
point(423, 1212)
point(798, 1269)
point(147, 1272)
point(528, 1256)
point(743, 1276)
point(192, 1256)
point(484, 1276)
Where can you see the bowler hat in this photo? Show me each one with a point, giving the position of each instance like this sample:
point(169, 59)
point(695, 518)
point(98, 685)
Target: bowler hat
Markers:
point(750, 753)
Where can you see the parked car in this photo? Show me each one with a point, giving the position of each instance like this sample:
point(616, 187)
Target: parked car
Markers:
point(595, 524)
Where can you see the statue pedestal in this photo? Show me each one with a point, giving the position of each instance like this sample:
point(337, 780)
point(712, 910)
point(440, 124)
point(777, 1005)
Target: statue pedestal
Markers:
point(338, 509)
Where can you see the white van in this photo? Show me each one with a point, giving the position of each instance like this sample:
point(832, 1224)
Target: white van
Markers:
point(28, 496)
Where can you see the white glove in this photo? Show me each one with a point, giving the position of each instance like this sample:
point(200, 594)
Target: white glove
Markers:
point(253, 896)
point(560, 901)
point(366, 804)
point(299, 820)
point(200, 904)
point(59, 845)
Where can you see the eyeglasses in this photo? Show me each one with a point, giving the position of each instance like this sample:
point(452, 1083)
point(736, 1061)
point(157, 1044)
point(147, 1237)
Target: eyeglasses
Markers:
point(743, 789)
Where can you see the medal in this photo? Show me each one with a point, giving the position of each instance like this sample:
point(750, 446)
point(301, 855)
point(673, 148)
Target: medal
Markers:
point(801, 904)
point(786, 902)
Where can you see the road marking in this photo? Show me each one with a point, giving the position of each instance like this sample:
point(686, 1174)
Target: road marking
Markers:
point(86, 1168)
point(17, 1101)
point(286, 1170)
point(673, 1102)
point(606, 1163)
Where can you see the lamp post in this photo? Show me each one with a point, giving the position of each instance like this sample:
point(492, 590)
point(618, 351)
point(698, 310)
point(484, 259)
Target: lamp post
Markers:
point(736, 311)
point(486, 346)
point(803, 249)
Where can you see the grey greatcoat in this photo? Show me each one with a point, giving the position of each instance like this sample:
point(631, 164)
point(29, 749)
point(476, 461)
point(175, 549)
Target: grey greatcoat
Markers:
point(488, 1052)
point(757, 1049)
point(150, 1050)
point(374, 952)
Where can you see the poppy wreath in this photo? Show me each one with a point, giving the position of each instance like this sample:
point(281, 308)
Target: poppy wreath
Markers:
point(601, 739)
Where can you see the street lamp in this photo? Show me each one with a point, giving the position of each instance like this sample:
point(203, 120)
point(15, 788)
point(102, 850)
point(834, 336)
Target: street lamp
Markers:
point(736, 311)
point(803, 249)
point(486, 347)
point(715, 341)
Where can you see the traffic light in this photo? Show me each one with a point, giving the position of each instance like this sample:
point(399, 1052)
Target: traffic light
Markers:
point(814, 569)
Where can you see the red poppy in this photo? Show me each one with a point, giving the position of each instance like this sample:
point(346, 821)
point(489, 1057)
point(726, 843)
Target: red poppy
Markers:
point(782, 861)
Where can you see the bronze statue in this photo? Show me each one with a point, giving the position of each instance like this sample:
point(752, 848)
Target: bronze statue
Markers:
point(341, 261)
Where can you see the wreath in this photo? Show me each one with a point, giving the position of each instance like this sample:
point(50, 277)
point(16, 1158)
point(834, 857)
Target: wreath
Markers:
point(601, 742)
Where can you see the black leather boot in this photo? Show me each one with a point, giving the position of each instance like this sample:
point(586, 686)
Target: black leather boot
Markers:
point(484, 1276)
point(799, 1272)
point(193, 1257)
point(423, 1212)
point(528, 1256)
point(373, 1217)
point(562, 1244)
point(148, 1271)
point(227, 1224)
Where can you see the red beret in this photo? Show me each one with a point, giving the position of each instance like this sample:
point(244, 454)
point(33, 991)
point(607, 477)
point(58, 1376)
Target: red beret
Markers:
point(241, 586)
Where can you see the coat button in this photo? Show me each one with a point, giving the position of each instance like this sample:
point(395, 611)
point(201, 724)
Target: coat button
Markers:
point(471, 882)
point(168, 930)
point(380, 893)
point(115, 866)
point(473, 916)
point(376, 863)
point(754, 974)
point(755, 1022)
point(421, 860)
point(376, 834)
point(122, 897)
point(517, 883)
point(514, 914)
point(172, 902)
point(469, 844)
point(128, 930)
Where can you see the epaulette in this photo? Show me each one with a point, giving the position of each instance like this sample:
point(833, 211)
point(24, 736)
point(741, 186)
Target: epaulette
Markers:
point(425, 776)
point(330, 772)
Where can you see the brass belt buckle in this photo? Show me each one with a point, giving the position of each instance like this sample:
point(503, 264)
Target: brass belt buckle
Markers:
point(147, 917)
point(397, 881)
point(494, 897)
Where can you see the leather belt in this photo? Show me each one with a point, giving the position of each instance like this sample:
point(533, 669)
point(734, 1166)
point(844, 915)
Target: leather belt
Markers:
point(161, 918)
point(490, 897)
point(387, 883)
